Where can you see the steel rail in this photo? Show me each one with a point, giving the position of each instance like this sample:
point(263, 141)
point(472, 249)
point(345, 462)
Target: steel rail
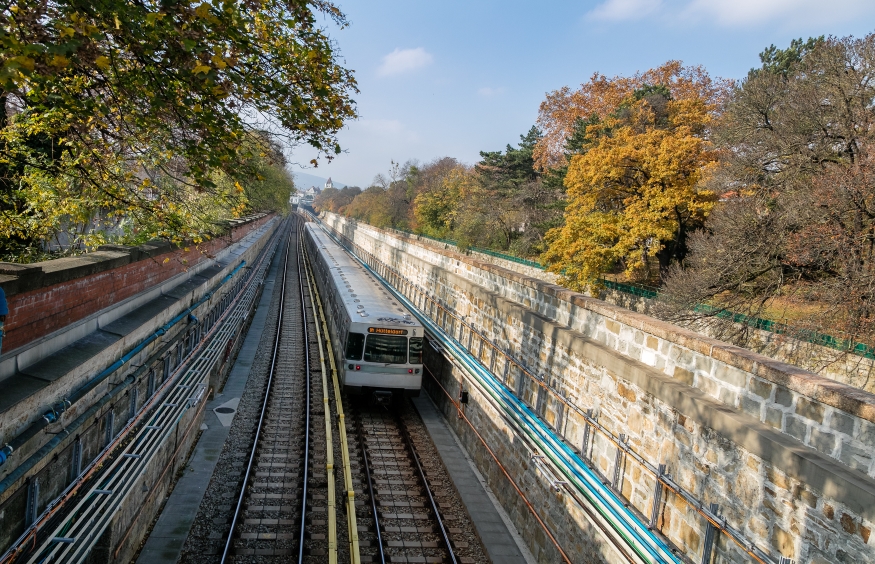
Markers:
point(405, 434)
point(665, 479)
point(272, 370)
point(501, 467)
point(127, 467)
point(329, 443)
point(373, 493)
point(306, 406)
point(354, 550)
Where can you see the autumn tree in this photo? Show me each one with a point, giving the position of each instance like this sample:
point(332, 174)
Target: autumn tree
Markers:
point(634, 189)
point(139, 109)
point(335, 200)
point(792, 239)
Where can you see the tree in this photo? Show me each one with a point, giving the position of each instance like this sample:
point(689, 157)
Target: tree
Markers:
point(139, 108)
point(527, 204)
point(634, 190)
point(559, 114)
point(793, 238)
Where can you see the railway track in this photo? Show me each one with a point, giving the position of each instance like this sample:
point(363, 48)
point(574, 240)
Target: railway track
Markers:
point(301, 482)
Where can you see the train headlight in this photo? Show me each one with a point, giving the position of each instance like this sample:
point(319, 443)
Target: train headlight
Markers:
point(416, 371)
point(350, 366)
point(357, 367)
point(410, 371)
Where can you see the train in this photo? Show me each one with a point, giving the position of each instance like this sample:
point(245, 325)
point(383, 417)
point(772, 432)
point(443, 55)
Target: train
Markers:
point(378, 342)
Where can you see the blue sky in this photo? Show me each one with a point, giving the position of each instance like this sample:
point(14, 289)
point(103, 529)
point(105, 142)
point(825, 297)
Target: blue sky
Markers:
point(453, 78)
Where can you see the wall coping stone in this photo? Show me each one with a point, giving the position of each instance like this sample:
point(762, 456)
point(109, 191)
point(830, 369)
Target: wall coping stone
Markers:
point(835, 394)
point(19, 278)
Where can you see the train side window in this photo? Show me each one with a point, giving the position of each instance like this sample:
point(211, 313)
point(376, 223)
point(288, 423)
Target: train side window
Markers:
point(415, 350)
point(355, 343)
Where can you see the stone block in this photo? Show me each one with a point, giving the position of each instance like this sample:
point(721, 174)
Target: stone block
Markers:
point(732, 376)
point(824, 441)
point(760, 388)
point(867, 434)
point(783, 396)
point(727, 396)
point(784, 542)
point(683, 375)
point(856, 457)
point(842, 423)
point(810, 409)
point(626, 392)
point(774, 417)
point(796, 427)
point(612, 326)
point(751, 407)
point(652, 342)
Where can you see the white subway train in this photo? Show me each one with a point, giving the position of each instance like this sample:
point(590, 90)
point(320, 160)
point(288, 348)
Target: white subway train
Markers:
point(377, 342)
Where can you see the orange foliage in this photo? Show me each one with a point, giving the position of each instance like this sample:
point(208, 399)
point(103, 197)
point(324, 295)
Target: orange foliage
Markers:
point(602, 95)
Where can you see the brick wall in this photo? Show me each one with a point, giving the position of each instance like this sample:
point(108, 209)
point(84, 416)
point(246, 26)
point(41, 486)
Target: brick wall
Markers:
point(46, 296)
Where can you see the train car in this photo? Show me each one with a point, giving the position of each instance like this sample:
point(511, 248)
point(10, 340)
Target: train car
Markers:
point(378, 342)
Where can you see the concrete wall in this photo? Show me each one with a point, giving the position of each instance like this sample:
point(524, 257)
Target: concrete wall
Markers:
point(787, 454)
point(54, 468)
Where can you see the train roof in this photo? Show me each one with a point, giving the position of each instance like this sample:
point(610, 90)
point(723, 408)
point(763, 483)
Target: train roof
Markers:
point(365, 298)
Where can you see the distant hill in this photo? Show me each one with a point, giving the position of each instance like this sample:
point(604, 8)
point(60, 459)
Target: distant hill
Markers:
point(304, 181)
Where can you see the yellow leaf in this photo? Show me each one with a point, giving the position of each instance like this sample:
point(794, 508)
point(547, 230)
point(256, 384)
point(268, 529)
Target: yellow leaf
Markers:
point(166, 261)
point(201, 68)
point(102, 62)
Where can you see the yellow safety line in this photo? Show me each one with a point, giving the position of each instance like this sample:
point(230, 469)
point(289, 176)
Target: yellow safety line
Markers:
point(355, 556)
point(329, 448)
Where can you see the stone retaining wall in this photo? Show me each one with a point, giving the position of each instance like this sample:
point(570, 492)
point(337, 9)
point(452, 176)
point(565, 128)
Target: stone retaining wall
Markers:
point(787, 454)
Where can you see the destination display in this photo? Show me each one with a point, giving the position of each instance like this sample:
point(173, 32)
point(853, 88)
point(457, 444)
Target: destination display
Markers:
point(385, 331)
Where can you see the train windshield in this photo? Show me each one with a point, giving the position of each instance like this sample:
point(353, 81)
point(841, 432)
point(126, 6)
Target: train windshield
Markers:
point(386, 348)
point(355, 342)
point(415, 350)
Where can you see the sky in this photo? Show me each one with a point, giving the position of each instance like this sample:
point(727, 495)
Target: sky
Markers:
point(453, 78)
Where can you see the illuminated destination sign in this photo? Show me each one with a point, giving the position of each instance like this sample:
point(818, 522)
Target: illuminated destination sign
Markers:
point(385, 331)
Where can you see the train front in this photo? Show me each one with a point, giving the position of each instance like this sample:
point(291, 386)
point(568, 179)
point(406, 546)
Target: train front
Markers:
point(383, 357)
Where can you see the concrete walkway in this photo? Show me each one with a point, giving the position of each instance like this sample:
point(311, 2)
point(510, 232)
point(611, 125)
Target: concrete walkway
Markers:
point(500, 538)
point(165, 542)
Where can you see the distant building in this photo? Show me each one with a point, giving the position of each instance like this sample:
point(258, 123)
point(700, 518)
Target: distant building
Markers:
point(328, 184)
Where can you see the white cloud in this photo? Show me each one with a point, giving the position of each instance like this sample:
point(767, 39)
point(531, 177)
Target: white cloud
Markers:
point(487, 92)
point(404, 60)
point(746, 12)
point(619, 10)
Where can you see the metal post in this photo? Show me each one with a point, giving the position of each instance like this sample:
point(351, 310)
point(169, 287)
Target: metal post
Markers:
point(76, 459)
point(618, 461)
point(150, 385)
point(506, 369)
point(584, 448)
point(710, 531)
point(30, 510)
point(657, 497)
point(135, 395)
point(110, 427)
